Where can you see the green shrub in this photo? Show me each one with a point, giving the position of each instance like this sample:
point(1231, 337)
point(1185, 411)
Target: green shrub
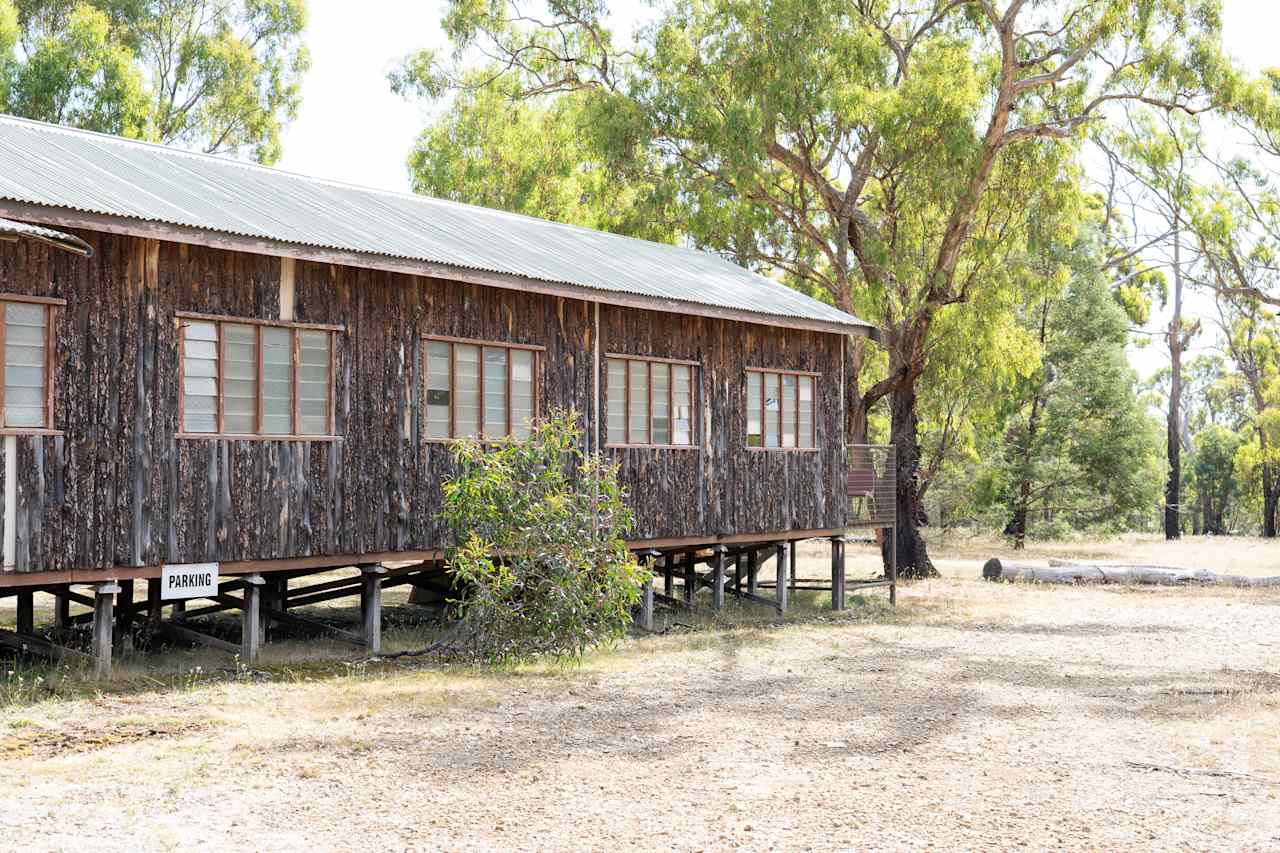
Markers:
point(540, 557)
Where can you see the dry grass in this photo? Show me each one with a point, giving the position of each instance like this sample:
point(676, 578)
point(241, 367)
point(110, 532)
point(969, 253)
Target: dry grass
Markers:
point(977, 716)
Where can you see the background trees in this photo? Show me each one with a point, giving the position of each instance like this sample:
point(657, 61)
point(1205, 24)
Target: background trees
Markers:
point(884, 155)
point(214, 75)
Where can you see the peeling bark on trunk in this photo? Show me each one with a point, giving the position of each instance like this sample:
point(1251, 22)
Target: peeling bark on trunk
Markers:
point(1173, 486)
point(913, 556)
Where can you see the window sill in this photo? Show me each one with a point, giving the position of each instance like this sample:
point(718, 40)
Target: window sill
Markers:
point(486, 440)
point(30, 431)
point(783, 449)
point(216, 436)
point(652, 447)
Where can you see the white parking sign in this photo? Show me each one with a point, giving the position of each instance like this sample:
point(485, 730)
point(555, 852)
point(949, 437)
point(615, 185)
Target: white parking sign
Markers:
point(191, 580)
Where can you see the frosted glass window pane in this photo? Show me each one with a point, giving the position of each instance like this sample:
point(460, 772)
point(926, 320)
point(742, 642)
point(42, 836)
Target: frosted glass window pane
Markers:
point(438, 391)
point(616, 391)
point(240, 379)
point(522, 392)
point(753, 410)
point(467, 373)
point(661, 374)
point(682, 399)
point(806, 411)
point(313, 382)
point(199, 377)
point(788, 402)
point(495, 392)
point(638, 407)
point(772, 410)
point(24, 356)
point(277, 381)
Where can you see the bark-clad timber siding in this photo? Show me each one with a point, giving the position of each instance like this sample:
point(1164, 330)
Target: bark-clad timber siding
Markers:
point(118, 489)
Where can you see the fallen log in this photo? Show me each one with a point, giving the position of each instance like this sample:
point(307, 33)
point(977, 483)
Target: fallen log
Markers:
point(1062, 571)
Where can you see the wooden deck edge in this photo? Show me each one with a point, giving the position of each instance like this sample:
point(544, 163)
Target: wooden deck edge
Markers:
point(319, 562)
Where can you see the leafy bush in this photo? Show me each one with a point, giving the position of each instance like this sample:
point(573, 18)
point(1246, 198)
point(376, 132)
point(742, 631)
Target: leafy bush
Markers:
point(540, 556)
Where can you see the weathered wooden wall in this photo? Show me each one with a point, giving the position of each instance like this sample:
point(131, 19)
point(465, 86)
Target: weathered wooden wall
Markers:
point(725, 487)
point(117, 488)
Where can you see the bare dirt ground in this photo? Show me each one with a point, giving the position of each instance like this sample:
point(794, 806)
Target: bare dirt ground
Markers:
point(978, 716)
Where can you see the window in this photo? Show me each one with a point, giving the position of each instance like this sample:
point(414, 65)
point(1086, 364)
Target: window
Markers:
point(26, 388)
point(256, 379)
point(650, 402)
point(780, 410)
point(478, 389)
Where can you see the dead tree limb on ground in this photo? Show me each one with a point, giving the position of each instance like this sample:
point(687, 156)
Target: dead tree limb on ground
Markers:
point(1063, 572)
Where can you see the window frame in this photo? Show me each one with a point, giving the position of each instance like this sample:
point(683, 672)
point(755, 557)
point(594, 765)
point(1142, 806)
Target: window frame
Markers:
point(695, 425)
point(813, 426)
point(184, 318)
point(538, 353)
point(51, 305)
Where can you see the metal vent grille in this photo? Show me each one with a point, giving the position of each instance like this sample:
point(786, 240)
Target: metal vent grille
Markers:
point(872, 485)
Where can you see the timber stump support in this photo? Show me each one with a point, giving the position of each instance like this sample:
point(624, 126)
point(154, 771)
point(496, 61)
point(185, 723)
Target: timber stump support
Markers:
point(26, 612)
point(668, 575)
point(155, 604)
point(62, 610)
point(690, 577)
point(124, 617)
point(644, 613)
point(717, 578)
point(782, 576)
point(371, 606)
point(103, 616)
point(753, 572)
point(251, 621)
point(837, 573)
point(792, 564)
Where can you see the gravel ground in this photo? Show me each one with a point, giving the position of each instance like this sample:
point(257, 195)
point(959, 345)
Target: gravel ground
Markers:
point(979, 716)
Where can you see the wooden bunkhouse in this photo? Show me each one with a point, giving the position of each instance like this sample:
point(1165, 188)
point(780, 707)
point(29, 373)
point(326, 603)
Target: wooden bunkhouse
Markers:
point(211, 362)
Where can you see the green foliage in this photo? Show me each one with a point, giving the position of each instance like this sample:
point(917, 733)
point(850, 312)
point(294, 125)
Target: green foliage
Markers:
point(541, 158)
point(540, 556)
point(1078, 447)
point(1214, 471)
point(214, 75)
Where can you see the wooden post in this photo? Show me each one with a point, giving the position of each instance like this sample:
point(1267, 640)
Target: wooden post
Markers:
point(782, 576)
point(371, 606)
point(103, 606)
point(737, 571)
point(26, 612)
point(717, 578)
point(179, 611)
point(124, 617)
point(668, 574)
point(893, 567)
point(644, 616)
point(837, 573)
point(690, 578)
point(155, 605)
point(62, 611)
point(792, 564)
point(753, 569)
point(251, 619)
point(273, 596)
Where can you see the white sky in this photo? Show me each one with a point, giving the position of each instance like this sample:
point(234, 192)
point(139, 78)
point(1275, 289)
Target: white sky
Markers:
point(352, 128)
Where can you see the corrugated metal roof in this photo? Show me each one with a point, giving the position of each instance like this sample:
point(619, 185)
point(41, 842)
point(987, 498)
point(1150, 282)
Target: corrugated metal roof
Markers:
point(48, 235)
point(88, 172)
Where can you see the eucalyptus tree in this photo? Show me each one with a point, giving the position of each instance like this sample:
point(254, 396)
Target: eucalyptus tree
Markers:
point(220, 76)
point(884, 153)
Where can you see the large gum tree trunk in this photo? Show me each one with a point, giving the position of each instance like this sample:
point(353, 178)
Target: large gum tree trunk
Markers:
point(913, 556)
point(1173, 486)
point(1270, 501)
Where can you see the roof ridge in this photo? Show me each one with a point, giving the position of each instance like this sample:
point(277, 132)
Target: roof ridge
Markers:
point(171, 150)
point(54, 165)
